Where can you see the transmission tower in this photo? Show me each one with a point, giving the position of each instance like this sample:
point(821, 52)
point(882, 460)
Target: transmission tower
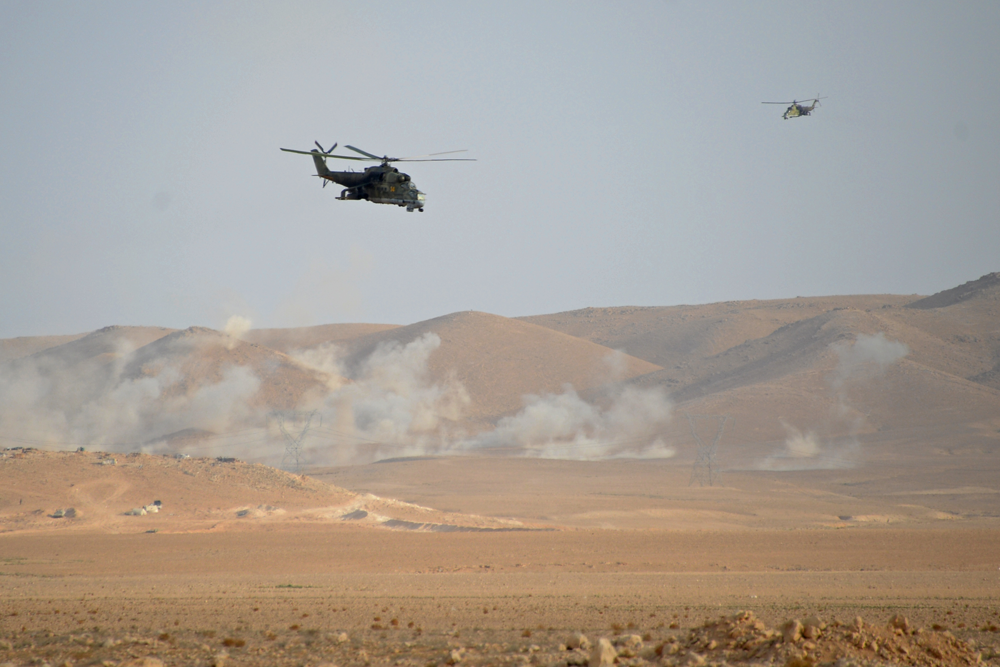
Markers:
point(296, 421)
point(705, 469)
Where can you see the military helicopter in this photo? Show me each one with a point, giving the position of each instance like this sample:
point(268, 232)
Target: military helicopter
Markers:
point(797, 109)
point(382, 184)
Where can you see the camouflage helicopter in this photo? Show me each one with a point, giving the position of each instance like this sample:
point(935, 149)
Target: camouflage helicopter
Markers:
point(797, 109)
point(382, 184)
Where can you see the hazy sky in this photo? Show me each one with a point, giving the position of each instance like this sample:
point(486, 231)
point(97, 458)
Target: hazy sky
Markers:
point(624, 156)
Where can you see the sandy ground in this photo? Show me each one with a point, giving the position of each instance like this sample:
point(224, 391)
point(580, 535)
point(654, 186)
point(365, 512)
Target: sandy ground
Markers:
point(197, 584)
point(285, 596)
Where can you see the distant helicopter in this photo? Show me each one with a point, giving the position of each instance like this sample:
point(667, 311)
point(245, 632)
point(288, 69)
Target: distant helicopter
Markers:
point(797, 109)
point(383, 184)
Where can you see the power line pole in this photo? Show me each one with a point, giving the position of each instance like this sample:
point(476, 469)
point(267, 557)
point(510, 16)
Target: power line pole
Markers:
point(705, 469)
point(293, 445)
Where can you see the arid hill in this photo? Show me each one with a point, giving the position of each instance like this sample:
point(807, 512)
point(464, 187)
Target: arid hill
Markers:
point(499, 360)
point(201, 358)
point(831, 365)
point(134, 493)
point(304, 338)
point(25, 346)
point(810, 374)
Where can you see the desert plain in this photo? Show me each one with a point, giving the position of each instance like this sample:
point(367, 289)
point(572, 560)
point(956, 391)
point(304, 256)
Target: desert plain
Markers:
point(797, 482)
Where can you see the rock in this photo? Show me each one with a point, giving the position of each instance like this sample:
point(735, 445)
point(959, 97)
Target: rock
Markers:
point(342, 638)
point(695, 660)
point(633, 643)
point(812, 628)
point(147, 661)
point(628, 646)
point(220, 659)
point(603, 654)
point(900, 622)
point(648, 653)
point(456, 656)
point(791, 631)
point(578, 640)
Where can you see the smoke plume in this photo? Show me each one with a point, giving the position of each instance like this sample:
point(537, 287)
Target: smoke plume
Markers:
point(564, 426)
point(103, 394)
point(863, 360)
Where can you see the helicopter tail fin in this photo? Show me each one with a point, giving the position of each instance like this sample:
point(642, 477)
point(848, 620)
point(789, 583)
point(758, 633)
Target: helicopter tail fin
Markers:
point(321, 168)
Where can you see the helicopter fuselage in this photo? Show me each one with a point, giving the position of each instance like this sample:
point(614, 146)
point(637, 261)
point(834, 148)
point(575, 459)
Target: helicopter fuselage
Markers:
point(382, 184)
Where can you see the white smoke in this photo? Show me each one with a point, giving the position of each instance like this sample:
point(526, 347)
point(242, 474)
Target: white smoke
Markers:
point(101, 401)
point(387, 405)
point(236, 327)
point(564, 426)
point(806, 451)
point(866, 358)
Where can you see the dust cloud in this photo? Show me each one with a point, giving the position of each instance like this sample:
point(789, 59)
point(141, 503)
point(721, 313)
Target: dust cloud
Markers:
point(103, 394)
point(865, 359)
point(564, 426)
point(102, 399)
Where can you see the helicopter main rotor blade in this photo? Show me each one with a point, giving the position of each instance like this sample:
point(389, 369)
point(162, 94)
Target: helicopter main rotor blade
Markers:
point(315, 152)
point(414, 157)
point(437, 159)
point(792, 102)
point(358, 150)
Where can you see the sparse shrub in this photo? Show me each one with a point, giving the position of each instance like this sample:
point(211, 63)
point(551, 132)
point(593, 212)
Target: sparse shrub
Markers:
point(617, 628)
point(233, 642)
point(294, 626)
point(526, 633)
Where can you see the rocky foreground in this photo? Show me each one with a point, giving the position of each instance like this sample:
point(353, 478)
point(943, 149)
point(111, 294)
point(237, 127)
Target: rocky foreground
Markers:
point(741, 639)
